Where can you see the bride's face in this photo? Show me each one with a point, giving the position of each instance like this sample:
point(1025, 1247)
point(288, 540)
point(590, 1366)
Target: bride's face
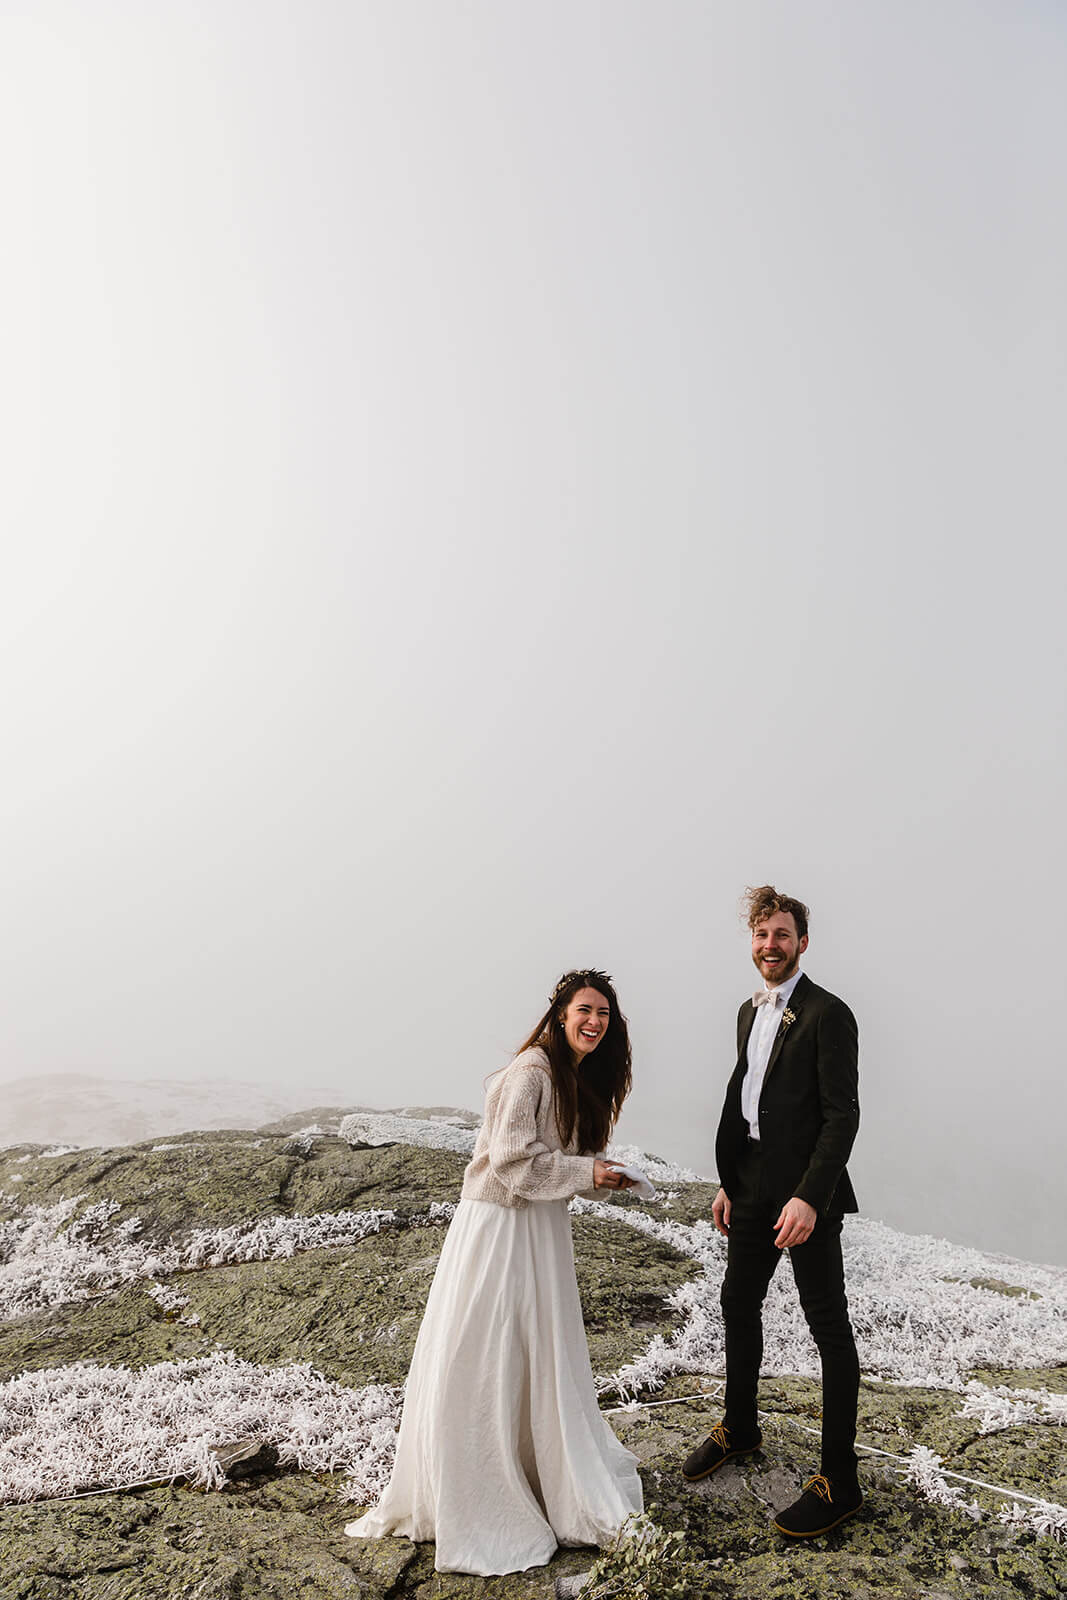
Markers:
point(585, 1021)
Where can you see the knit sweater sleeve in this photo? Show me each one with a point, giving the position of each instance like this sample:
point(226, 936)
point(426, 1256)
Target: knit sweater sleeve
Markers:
point(518, 1156)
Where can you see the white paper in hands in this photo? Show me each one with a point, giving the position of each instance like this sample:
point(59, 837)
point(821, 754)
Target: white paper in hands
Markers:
point(642, 1186)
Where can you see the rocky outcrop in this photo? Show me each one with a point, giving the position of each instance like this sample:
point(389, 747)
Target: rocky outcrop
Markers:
point(352, 1312)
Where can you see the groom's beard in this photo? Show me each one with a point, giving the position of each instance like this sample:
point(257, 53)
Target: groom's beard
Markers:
point(780, 973)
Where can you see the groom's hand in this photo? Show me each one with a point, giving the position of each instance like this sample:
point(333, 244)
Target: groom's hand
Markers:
point(795, 1223)
point(720, 1211)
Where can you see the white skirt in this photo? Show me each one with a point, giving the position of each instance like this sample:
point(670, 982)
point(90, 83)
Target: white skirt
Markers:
point(503, 1453)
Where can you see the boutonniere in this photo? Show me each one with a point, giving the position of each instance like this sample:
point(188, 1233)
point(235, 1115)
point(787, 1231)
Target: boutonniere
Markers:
point(788, 1018)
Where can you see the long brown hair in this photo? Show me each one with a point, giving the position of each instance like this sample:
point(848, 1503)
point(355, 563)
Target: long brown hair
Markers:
point(586, 1099)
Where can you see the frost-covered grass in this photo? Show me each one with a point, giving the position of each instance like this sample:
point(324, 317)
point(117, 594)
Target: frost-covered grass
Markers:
point(926, 1473)
point(923, 1311)
point(49, 1257)
point(628, 1155)
point(66, 1430)
point(439, 1133)
point(999, 1408)
point(301, 1142)
point(914, 1322)
point(917, 1319)
point(170, 1300)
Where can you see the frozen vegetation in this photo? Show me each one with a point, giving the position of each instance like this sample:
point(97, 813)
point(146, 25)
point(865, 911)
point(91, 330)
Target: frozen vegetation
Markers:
point(49, 1256)
point(924, 1314)
point(919, 1310)
point(67, 1429)
point(451, 1133)
point(928, 1314)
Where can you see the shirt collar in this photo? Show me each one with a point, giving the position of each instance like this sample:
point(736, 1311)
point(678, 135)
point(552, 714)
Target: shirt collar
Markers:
point(785, 990)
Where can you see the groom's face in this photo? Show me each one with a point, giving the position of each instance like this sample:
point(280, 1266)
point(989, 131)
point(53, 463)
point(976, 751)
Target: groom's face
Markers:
point(776, 950)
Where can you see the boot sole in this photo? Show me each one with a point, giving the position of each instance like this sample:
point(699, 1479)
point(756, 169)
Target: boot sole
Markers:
point(729, 1456)
point(815, 1533)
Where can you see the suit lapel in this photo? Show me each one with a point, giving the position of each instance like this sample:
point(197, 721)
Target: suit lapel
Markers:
point(795, 1003)
point(741, 1068)
point(746, 1034)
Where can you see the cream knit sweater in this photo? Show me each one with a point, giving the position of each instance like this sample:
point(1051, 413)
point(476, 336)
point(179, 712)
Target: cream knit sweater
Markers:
point(518, 1156)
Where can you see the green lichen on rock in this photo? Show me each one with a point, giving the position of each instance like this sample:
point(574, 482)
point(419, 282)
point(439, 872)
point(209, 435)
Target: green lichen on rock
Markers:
point(258, 1539)
point(623, 1279)
point(271, 1539)
point(1013, 1291)
point(353, 1313)
point(217, 1180)
point(1054, 1379)
point(899, 1544)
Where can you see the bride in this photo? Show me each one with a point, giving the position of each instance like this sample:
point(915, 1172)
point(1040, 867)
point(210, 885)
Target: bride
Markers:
point(503, 1453)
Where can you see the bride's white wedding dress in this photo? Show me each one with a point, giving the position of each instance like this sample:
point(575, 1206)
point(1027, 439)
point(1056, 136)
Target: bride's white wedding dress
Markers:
point(503, 1453)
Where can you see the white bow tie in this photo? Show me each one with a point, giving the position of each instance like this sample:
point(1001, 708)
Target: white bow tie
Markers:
point(765, 997)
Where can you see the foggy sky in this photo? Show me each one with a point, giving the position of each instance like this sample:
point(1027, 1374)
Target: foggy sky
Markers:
point(483, 483)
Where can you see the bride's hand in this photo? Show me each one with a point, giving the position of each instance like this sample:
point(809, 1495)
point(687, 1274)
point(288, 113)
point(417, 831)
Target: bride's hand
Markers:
point(608, 1175)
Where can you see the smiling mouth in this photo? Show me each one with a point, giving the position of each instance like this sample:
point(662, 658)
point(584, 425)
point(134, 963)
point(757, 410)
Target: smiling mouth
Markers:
point(584, 1034)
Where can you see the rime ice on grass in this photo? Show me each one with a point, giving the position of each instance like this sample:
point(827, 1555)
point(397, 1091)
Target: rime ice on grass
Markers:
point(628, 1155)
point(68, 1429)
point(301, 1142)
point(924, 1311)
point(998, 1408)
point(926, 1473)
point(49, 1257)
point(170, 1300)
point(917, 1318)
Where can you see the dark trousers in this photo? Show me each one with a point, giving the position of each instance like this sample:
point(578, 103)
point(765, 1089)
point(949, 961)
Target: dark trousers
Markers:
point(752, 1256)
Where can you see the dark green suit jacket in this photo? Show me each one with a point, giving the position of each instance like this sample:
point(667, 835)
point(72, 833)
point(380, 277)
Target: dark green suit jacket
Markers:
point(809, 1107)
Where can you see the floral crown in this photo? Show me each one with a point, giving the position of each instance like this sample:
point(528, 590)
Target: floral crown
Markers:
point(583, 978)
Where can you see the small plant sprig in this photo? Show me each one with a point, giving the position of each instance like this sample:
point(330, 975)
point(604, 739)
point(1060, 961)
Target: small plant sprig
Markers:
point(645, 1562)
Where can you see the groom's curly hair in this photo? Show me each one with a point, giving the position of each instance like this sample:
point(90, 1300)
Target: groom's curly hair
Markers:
point(759, 904)
point(586, 1100)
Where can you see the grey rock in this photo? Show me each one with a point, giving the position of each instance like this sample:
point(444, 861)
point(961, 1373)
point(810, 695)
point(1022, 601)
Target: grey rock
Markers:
point(354, 1313)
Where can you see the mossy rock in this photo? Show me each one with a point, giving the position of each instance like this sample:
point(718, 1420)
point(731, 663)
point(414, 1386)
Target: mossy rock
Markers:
point(125, 1327)
point(216, 1180)
point(354, 1311)
point(1054, 1379)
point(624, 1278)
point(899, 1545)
point(254, 1540)
point(249, 1540)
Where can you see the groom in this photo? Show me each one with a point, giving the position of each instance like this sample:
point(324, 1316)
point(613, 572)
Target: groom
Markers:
point(786, 1130)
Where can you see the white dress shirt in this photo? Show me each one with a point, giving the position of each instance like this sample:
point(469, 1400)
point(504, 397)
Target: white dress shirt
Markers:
point(760, 1043)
